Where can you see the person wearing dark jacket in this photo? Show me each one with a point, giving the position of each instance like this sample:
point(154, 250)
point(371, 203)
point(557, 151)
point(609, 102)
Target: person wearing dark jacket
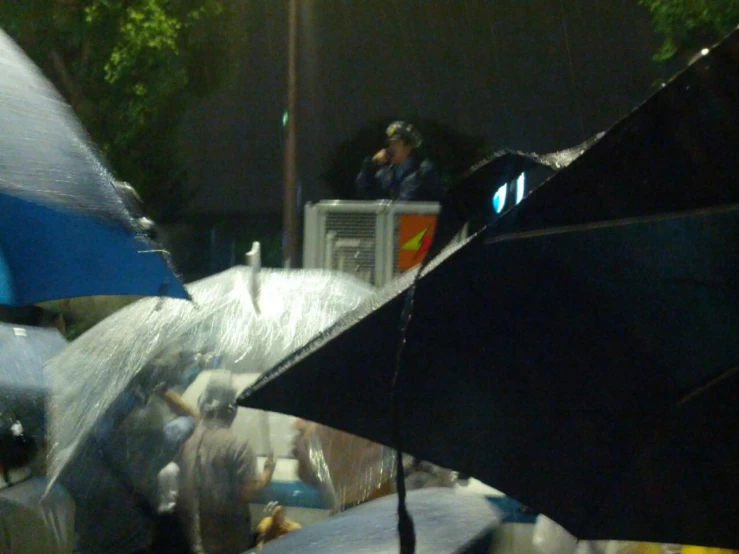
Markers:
point(35, 518)
point(396, 172)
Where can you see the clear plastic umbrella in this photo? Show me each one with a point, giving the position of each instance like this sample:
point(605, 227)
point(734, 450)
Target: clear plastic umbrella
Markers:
point(240, 320)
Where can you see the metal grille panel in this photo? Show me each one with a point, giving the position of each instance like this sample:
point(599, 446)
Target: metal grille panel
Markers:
point(396, 244)
point(350, 243)
point(359, 238)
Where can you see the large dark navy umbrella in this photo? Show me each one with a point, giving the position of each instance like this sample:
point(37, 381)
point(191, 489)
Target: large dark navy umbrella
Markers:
point(23, 386)
point(65, 230)
point(582, 354)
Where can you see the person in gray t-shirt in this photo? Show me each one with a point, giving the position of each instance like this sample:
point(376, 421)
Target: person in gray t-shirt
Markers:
point(218, 476)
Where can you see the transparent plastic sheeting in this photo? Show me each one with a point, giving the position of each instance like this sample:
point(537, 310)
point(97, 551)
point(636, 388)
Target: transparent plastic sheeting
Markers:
point(349, 470)
point(235, 323)
point(36, 119)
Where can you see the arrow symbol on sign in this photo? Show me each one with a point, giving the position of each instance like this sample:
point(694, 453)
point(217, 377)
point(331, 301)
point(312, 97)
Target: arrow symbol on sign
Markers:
point(419, 243)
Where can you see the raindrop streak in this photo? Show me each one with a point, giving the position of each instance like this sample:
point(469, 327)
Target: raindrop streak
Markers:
point(572, 70)
point(500, 78)
point(276, 72)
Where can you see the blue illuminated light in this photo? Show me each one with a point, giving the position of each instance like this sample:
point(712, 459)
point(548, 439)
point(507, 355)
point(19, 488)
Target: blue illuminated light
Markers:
point(520, 187)
point(499, 199)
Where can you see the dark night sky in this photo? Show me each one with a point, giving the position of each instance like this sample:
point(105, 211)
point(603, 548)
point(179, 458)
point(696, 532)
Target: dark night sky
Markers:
point(538, 75)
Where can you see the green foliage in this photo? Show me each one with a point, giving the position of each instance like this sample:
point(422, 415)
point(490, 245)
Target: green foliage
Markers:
point(130, 68)
point(688, 25)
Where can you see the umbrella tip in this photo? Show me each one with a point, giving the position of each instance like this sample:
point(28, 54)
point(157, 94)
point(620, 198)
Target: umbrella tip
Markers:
point(254, 261)
point(254, 256)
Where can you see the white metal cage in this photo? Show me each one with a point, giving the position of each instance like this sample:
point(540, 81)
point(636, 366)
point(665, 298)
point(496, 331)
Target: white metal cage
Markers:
point(360, 238)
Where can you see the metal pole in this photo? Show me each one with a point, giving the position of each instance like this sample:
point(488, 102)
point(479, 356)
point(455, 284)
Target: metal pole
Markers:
point(289, 208)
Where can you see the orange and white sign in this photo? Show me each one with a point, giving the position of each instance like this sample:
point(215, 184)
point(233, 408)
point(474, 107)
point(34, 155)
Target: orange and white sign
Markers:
point(415, 233)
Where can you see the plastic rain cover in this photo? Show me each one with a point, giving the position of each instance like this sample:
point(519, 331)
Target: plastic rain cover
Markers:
point(239, 320)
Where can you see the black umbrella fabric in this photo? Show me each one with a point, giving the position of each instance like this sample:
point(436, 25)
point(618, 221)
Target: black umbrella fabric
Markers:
point(580, 355)
point(65, 229)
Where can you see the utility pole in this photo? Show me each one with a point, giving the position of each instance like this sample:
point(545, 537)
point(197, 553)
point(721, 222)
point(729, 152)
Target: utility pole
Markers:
point(290, 199)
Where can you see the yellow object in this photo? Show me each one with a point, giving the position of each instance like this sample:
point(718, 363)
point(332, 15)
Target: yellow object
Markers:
point(707, 550)
point(275, 525)
point(654, 548)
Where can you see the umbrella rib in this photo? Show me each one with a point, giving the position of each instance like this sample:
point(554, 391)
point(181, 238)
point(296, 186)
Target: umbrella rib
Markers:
point(584, 227)
point(708, 386)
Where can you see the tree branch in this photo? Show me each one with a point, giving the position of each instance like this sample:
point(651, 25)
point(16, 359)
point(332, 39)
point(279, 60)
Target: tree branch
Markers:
point(73, 92)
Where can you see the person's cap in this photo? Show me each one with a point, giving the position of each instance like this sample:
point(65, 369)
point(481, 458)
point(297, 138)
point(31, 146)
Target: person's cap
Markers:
point(400, 130)
point(219, 392)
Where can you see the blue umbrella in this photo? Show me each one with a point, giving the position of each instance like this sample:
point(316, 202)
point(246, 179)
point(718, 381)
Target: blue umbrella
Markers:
point(23, 388)
point(65, 230)
point(446, 522)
